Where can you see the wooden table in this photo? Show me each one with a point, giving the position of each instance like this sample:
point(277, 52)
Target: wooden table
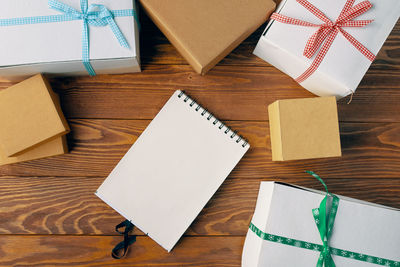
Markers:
point(49, 215)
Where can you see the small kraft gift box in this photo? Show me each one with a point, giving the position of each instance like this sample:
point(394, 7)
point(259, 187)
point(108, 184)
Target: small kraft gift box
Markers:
point(304, 128)
point(295, 226)
point(32, 123)
point(206, 31)
point(68, 37)
point(327, 46)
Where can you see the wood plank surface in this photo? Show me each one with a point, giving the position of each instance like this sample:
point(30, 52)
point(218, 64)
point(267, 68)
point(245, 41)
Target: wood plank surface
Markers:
point(236, 91)
point(232, 92)
point(370, 150)
point(49, 215)
point(49, 251)
point(67, 205)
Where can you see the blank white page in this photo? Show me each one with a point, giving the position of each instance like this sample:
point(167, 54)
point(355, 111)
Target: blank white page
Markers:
point(172, 170)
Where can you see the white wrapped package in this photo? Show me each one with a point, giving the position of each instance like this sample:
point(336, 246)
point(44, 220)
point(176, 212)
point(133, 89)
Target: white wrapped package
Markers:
point(342, 68)
point(55, 36)
point(284, 232)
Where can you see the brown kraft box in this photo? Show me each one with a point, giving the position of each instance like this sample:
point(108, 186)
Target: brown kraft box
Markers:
point(206, 31)
point(52, 148)
point(304, 129)
point(30, 115)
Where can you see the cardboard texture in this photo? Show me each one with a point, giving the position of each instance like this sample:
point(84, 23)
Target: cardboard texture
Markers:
point(30, 115)
point(342, 69)
point(304, 129)
point(286, 210)
point(206, 31)
point(56, 47)
point(54, 147)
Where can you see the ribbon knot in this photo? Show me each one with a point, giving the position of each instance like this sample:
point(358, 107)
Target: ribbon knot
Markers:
point(95, 15)
point(128, 239)
point(326, 34)
point(324, 217)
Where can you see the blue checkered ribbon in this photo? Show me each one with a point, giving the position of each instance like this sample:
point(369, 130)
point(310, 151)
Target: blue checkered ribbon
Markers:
point(93, 15)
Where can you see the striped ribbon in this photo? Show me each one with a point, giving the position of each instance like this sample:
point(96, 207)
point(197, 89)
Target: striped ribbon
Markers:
point(327, 32)
point(93, 15)
point(324, 218)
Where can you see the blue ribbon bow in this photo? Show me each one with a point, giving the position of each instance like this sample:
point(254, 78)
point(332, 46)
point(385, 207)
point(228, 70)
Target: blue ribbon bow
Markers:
point(94, 15)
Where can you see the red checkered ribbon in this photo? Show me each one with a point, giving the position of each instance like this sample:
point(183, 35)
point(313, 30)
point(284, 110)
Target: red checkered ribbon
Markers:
point(327, 32)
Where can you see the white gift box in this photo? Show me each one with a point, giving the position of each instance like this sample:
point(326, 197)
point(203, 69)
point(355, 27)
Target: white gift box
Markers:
point(343, 67)
point(363, 229)
point(56, 47)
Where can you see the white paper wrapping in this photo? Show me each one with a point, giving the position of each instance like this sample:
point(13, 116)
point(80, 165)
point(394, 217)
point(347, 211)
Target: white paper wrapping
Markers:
point(56, 48)
point(286, 210)
point(344, 66)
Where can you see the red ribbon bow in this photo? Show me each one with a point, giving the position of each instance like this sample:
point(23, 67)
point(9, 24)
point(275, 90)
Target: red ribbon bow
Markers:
point(328, 31)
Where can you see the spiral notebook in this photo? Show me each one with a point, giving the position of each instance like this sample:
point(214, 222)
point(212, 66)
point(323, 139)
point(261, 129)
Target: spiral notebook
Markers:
point(173, 169)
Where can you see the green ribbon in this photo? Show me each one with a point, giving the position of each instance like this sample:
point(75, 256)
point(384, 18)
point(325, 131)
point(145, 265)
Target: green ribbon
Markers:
point(324, 217)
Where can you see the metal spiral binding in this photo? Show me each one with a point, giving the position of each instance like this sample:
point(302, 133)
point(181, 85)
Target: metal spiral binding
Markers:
point(192, 103)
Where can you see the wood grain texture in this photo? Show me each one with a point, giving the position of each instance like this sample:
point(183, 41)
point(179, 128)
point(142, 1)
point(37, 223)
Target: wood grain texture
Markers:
point(49, 251)
point(231, 92)
point(67, 205)
point(239, 88)
point(49, 215)
point(370, 150)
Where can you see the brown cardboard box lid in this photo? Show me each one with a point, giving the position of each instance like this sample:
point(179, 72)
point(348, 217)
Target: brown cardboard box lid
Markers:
point(205, 31)
point(305, 128)
point(30, 114)
point(51, 148)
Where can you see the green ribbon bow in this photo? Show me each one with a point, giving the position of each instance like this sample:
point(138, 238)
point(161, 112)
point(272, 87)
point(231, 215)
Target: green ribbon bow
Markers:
point(324, 219)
